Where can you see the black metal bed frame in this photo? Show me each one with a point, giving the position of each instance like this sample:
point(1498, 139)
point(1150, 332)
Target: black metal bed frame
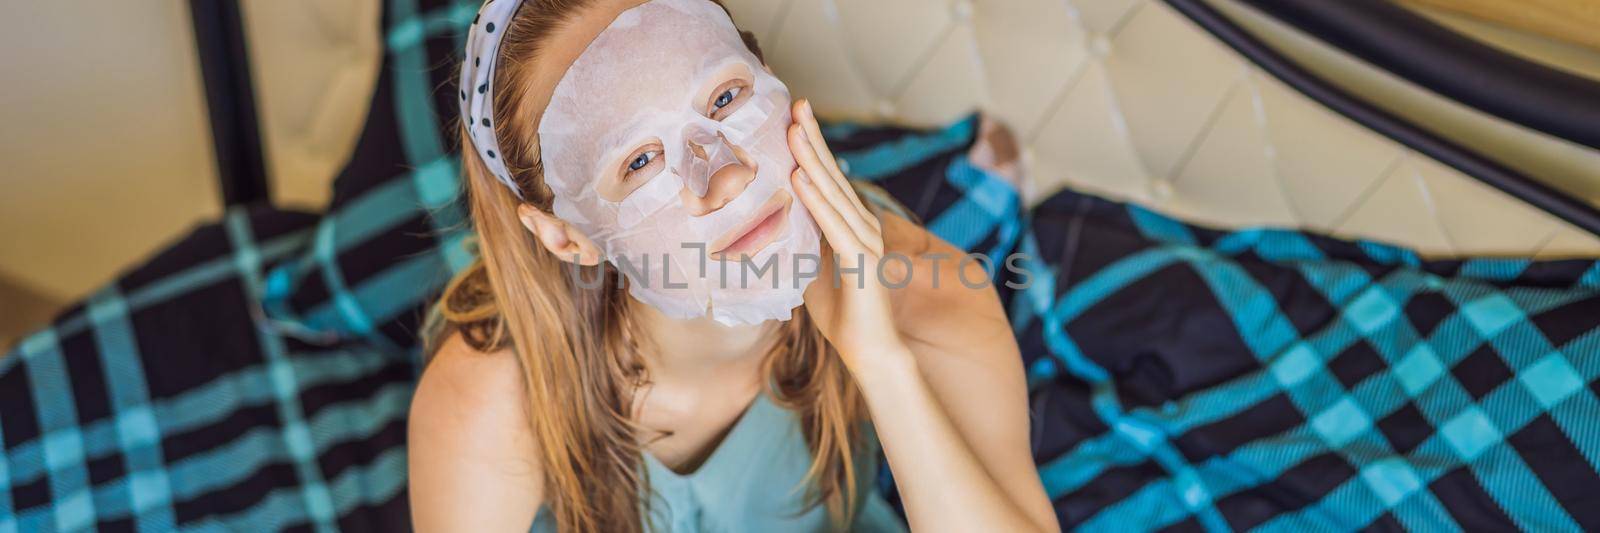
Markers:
point(1560, 95)
point(220, 41)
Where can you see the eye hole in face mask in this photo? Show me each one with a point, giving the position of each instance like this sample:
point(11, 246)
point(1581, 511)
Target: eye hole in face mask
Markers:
point(634, 170)
point(642, 160)
point(642, 163)
point(727, 98)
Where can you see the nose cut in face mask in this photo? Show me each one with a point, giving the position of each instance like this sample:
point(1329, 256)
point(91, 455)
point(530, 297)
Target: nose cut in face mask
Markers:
point(714, 171)
point(665, 144)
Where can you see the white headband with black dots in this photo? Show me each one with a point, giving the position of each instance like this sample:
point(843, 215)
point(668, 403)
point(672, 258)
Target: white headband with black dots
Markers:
point(477, 84)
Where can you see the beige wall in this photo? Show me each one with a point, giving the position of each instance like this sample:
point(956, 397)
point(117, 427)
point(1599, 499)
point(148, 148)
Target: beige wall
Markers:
point(103, 137)
point(315, 64)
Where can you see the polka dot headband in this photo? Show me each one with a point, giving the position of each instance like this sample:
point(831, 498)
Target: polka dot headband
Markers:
point(477, 84)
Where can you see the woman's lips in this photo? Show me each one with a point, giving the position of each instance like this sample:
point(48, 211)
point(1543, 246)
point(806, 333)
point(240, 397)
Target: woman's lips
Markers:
point(747, 239)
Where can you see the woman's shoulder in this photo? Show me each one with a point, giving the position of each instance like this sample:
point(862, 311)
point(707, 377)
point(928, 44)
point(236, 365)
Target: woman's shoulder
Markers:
point(939, 270)
point(458, 356)
point(465, 387)
point(472, 381)
point(946, 301)
point(942, 272)
point(472, 451)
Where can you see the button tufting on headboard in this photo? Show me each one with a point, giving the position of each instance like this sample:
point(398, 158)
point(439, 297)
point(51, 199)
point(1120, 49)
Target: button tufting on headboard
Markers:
point(1125, 98)
point(1129, 99)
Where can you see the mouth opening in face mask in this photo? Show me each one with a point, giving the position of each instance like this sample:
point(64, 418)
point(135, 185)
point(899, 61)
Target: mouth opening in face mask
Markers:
point(755, 234)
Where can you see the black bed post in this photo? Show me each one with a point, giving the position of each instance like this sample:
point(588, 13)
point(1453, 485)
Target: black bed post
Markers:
point(219, 36)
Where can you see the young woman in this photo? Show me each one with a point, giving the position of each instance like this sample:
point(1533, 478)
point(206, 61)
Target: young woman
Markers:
point(567, 389)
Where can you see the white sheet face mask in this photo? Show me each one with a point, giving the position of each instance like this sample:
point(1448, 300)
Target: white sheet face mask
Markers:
point(665, 143)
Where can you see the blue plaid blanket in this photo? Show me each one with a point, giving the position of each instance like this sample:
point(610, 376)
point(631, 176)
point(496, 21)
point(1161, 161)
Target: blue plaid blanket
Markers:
point(256, 375)
point(1266, 379)
point(162, 402)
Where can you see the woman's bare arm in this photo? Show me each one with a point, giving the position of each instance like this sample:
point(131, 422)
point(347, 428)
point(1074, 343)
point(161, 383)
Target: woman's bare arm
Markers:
point(968, 357)
point(471, 449)
point(949, 408)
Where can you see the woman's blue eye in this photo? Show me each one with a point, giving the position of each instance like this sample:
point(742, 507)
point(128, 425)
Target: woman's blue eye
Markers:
point(726, 98)
point(642, 160)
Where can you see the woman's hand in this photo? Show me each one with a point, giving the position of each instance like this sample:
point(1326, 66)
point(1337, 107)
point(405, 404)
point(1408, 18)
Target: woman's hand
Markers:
point(933, 459)
point(849, 302)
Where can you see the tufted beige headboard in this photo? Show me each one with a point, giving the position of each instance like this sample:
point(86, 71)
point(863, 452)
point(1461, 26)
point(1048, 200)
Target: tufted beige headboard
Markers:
point(1124, 98)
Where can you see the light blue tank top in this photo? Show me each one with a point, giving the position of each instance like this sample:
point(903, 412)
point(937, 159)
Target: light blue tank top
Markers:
point(751, 482)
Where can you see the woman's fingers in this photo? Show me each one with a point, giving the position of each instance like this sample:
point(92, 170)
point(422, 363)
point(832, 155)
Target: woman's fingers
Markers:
point(840, 236)
point(827, 184)
point(804, 116)
point(807, 119)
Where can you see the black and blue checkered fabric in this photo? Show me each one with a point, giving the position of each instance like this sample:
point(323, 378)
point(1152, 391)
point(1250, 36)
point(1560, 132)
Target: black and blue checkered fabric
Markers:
point(256, 375)
point(1187, 378)
point(164, 402)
